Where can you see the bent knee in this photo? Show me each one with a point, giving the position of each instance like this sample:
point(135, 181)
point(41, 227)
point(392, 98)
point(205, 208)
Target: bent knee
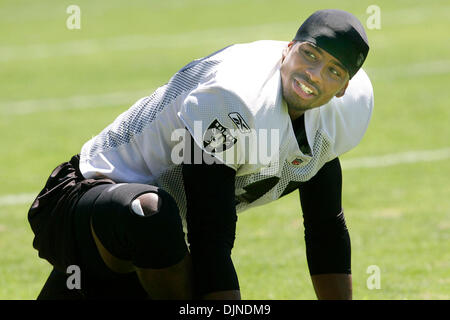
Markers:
point(141, 224)
point(152, 202)
point(146, 204)
point(157, 233)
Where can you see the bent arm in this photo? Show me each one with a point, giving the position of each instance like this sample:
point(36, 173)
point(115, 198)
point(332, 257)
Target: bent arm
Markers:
point(211, 220)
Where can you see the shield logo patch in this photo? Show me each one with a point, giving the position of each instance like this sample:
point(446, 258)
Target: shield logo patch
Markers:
point(218, 138)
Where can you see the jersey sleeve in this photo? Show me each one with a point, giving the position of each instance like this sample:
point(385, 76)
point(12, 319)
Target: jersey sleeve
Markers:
point(218, 121)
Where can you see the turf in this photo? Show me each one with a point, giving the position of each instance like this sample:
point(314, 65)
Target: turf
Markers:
point(398, 216)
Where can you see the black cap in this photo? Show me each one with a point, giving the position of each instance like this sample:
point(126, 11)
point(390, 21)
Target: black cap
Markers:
point(340, 34)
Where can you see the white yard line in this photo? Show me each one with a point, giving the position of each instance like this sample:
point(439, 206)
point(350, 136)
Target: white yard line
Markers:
point(414, 15)
point(16, 199)
point(357, 163)
point(396, 158)
point(433, 67)
point(23, 107)
point(139, 42)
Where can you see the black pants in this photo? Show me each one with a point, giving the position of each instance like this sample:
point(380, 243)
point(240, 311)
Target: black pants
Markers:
point(61, 220)
point(97, 280)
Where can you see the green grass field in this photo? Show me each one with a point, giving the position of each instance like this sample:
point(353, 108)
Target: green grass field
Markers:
point(59, 87)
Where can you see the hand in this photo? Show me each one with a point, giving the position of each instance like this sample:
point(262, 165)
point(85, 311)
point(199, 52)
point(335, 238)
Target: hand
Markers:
point(333, 286)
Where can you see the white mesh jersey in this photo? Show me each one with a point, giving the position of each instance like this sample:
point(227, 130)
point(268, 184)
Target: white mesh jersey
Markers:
point(229, 101)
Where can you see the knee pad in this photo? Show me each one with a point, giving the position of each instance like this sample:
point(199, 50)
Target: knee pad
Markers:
point(139, 223)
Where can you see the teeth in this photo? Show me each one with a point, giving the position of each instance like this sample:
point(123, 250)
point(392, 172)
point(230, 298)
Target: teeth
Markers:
point(305, 88)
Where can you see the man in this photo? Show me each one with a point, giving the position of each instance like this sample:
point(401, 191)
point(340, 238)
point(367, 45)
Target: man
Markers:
point(236, 129)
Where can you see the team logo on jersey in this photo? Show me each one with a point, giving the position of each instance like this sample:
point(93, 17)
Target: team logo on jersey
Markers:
point(239, 122)
point(297, 161)
point(218, 138)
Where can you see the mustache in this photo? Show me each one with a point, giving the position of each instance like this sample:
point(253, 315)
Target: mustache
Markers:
point(306, 79)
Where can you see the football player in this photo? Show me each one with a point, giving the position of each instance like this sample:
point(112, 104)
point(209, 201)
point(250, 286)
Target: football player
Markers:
point(148, 208)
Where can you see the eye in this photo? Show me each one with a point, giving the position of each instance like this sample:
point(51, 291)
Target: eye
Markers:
point(335, 72)
point(309, 54)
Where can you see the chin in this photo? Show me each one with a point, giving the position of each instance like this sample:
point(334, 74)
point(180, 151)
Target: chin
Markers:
point(297, 106)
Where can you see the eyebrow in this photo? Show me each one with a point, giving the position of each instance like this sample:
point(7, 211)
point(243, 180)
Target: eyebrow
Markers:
point(333, 61)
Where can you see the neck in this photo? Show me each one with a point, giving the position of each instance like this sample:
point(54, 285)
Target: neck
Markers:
point(294, 115)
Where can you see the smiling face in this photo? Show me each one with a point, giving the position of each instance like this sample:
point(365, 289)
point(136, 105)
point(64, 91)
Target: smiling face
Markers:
point(310, 77)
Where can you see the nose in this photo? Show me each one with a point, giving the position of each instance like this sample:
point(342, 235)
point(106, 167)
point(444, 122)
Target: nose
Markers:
point(314, 73)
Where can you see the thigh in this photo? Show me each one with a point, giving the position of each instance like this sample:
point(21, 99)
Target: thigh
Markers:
point(97, 280)
point(51, 214)
point(153, 241)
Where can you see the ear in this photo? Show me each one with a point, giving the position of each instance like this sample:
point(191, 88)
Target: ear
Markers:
point(286, 50)
point(342, 91)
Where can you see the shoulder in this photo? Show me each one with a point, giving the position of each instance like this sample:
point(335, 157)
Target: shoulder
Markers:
point(360, 92)
point(250, 70)
point(216, 118)
point(245, 80)
point(356, 106)
point(345, 120)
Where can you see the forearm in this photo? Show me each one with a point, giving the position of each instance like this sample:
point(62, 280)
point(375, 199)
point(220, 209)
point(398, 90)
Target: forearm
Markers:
point(333, 286)
point(211, 222)
point(328, 247)
point(329, 261)
point(214, 275)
